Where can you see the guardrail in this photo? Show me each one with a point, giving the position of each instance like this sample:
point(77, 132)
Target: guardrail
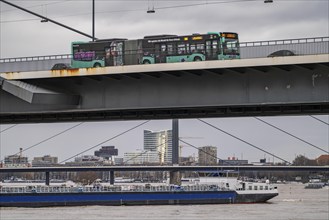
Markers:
point(284, 42)
point(243, 45)
point(126, 188)
point(36, 58)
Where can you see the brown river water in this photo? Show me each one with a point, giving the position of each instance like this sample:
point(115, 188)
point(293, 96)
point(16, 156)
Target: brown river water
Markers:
point(293, 203)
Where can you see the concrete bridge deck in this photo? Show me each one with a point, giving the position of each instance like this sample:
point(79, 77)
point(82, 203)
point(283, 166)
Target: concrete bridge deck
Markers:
point(247, 87)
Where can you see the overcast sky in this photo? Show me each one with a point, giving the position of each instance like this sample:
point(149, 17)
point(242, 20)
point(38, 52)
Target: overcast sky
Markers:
point(22, 34)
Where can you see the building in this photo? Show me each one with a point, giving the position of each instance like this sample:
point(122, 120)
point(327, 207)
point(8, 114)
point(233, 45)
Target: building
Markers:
point(207, 155)
point(141, 157)
point(44, 161)
point(323, 160)
point(187, 161)
point(233, 161)
point(86, 160)
point(118, 160)
point(107, 152)
point(16, 160)
point(160, 142)
point(262, 162)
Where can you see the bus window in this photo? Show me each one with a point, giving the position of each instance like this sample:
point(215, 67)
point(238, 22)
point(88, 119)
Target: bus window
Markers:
point(193, 48)
point(170, 49)
point(231, 47)
point(181, 48)
point(188, 48)
point(200, 48)
point(208, 48)
point(163, 48)
point(214, 45)
point(117, 53)
point(215, 48)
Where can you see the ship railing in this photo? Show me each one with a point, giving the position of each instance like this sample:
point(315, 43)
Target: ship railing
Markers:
point(130, 188)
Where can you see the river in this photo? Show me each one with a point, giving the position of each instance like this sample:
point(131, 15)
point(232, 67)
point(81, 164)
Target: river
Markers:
point(293, 203)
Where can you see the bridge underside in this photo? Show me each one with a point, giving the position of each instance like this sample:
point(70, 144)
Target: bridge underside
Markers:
point(273, 88)
point(137, 114)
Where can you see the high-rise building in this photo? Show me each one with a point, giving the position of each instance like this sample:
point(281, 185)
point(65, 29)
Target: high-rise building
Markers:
point(160, 142)
point(208, 155)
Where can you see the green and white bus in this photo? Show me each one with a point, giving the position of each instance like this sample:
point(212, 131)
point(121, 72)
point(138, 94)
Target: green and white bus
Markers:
point(196, 47)
point(156, 49)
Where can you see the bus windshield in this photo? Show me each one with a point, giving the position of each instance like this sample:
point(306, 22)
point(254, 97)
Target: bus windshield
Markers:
point(231, 47)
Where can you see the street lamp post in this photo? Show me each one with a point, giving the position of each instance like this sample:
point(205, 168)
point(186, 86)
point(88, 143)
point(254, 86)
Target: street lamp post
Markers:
point(93, 19)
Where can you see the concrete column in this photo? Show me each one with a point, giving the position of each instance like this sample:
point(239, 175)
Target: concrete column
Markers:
point(175, 140)
point(47, 179)
point(175, 178)
point(111, 177)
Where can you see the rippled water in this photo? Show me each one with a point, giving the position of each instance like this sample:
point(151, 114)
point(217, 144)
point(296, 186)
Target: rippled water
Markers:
point(294, 202)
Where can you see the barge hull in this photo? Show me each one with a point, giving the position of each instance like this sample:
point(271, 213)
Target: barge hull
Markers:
point(116, 198)
point(128, 198)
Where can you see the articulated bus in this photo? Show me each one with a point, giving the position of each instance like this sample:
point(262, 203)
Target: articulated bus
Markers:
point(156, 49)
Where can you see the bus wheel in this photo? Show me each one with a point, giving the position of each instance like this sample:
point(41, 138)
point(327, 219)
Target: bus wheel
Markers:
point(97, 65)
point(146, 62)
point(197, 59)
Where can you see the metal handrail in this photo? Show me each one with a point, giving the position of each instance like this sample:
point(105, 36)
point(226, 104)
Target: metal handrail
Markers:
point(132, 188)
point(242, 45)
point(36, 58)
point(284, 42)
point(127, 188)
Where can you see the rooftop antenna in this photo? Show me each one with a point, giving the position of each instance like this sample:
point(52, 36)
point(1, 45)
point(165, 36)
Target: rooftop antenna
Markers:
point(149, 9)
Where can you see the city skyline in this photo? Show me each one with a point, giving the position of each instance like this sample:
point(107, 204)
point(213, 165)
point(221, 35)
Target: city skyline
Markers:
point(191, 131)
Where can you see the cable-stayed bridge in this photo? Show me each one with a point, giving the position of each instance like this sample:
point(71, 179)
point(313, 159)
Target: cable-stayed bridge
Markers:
point(255, 85)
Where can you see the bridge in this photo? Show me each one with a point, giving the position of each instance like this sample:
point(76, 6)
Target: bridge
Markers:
point(290, 85)
point(172, 169)
point(256, 85)
point(167, 168)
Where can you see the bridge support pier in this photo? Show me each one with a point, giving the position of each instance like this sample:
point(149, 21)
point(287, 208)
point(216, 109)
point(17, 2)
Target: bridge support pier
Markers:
point(111, 177)
point(175, 178)
point(47, 179)
point(175, 142)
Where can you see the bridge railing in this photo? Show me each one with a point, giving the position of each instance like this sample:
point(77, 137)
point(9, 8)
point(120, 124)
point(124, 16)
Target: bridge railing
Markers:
point(286, 41)
point(36, 58)
point(299, 47)
point(248, 50)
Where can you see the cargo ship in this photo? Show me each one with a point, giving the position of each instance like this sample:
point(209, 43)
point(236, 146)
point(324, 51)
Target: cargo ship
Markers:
point(226, 191)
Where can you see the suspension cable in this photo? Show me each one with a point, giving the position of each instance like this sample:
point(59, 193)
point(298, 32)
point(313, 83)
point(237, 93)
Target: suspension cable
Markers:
point(252, 145)
point(118, 135)
point(47, 139)
point(8, 128)
point(319, 120)
point(291, 135)
point(203, 151)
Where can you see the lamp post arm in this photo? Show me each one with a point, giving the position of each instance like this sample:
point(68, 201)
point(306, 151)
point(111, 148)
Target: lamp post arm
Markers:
point(48, 19)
